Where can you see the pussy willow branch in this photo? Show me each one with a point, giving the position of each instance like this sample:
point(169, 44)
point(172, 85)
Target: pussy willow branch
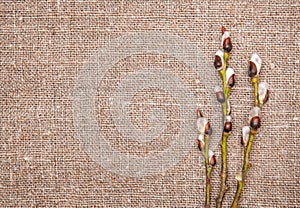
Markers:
point(208, 172)
point(224, 187)
point(261, 95)
point(246, 167)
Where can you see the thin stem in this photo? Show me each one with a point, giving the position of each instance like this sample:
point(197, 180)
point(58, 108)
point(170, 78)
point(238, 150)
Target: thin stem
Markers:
point(226, 89)
point(208, 172)
point(223, 76)
point(246, 167)
point(223, 187)
point(255, 86)
point(224, 107)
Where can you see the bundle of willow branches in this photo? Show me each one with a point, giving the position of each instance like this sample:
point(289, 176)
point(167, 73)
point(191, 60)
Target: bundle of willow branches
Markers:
point(261, 95)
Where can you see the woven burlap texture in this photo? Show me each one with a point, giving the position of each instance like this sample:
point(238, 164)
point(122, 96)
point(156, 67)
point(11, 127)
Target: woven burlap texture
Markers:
point(46, 44)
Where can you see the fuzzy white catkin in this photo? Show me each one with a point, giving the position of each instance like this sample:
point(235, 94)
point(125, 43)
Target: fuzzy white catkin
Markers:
point(257, 61)
point(246, 134)
point(254, 112)
point(262, 91)
point(201, 138)
point(201, 123)
point(224, 36)
point(228, 108)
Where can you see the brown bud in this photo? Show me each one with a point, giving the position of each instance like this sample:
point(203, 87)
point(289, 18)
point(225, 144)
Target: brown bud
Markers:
point(218, 62)
point(228, 126)
point(223, 30)
point(208, 129)
point(254, 65)
point(199, 113)
point(252, 70)
point(255, 122)
point(220, 94)
point(227, 45)
point(231, 81)
point(201, 144)
point(230, 77)
point(220, 97)
point(226, 42)
point(212, 160)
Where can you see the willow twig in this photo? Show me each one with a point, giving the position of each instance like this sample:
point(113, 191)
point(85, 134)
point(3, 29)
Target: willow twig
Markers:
point(261, 96)
point(246, 166)
point(205, 131)
point(224, 187)
point(208, 167)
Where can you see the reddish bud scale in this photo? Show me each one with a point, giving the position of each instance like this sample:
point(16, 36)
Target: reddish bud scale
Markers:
point(208, 129)
point(231, 81)
point(266, 97)
point(252, 72)
point(223, 30)
point(199, 113)
point(201, 145)
point(213, 161)
point(227, 126)
point(255, 123)
point(227, 45)
point(217, 62)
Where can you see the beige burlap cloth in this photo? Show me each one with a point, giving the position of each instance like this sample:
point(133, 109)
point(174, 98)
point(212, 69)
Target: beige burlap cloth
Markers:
point(97, 101)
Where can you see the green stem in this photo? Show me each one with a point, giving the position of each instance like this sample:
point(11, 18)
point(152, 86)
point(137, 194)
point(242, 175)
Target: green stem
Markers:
point(255, 86)
point(224, 107)
point(226, 89)
point(224, 187)
point(208, 172)
point(223, 76)
point(246, 167)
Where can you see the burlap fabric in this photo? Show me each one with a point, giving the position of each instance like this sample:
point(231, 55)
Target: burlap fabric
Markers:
point(45, 46)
